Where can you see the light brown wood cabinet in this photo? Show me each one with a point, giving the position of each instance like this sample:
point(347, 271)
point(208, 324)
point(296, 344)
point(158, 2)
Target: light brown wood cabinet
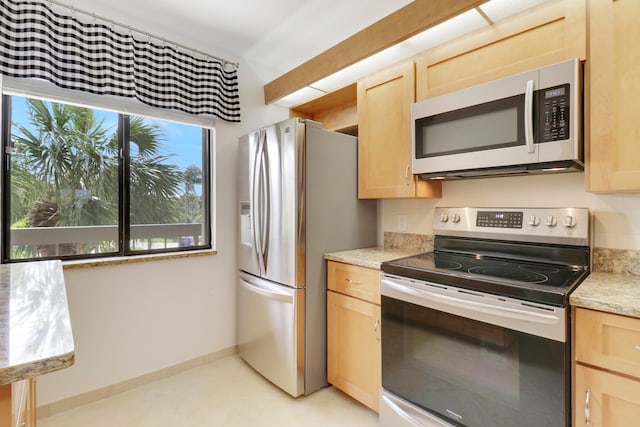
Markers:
point(353, 332)
point(546, 34)
point(384, 136)
point(607, 370)
point(335, 110)
point(614, 96)
point(18, 404)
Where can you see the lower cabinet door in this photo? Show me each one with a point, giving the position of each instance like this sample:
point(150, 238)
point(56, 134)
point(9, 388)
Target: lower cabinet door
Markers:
point(5, 405)
point(603, 399)
point(353, 348)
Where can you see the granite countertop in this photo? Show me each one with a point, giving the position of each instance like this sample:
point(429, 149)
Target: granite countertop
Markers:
point(35, 328)
point(617, 293)
point(370, 257)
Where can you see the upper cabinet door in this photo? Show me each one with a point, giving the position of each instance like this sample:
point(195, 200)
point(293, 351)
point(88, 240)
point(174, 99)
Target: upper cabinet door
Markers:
point(546, 34)
point(384, 136)
point(613, 72)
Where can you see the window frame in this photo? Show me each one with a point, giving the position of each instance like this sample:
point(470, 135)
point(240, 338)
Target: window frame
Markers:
point(124, 224)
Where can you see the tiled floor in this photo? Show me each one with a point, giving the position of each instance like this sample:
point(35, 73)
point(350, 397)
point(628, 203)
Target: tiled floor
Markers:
point(226, 392)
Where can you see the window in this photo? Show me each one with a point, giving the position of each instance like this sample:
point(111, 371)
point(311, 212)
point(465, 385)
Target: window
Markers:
point(81, 182)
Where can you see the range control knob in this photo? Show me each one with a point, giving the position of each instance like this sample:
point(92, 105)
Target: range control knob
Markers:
point(444, 217)
point(551, 221)
point(455, 218)
point(533, 221)
point(569, 221)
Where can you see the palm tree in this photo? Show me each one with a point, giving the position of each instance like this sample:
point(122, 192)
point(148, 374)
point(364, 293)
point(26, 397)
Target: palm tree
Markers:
point(64, 159)
point(192, 202)
point(65, 170)
point(154, 182)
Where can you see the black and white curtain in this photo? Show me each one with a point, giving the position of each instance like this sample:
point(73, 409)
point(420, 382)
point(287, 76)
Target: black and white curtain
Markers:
point(37, 42)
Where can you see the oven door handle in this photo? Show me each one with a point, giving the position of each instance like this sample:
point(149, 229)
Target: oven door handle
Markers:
point(521, 319)
point(401, 413)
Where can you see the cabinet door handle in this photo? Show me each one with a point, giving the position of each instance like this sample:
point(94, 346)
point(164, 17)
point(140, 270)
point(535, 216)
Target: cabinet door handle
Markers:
point(587, 409)
point(406, 174)
point(352, 282)
point(376, 325)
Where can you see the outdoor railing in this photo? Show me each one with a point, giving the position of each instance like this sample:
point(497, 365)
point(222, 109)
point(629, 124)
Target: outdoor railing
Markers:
point(154, 236)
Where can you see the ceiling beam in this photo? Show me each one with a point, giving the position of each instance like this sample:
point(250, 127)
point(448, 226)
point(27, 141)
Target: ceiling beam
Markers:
point(408, 21)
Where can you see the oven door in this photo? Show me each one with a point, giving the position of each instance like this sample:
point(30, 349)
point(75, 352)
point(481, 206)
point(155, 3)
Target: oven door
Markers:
point(474, 359)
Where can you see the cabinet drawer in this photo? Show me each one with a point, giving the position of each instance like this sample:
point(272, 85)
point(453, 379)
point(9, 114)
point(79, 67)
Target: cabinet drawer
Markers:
point(359, 282)
point(609, 341)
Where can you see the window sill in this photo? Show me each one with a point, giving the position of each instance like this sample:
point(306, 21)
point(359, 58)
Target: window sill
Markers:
point(99, 262)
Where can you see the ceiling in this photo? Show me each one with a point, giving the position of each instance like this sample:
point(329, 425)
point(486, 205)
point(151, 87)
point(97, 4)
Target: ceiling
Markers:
point(275, 36)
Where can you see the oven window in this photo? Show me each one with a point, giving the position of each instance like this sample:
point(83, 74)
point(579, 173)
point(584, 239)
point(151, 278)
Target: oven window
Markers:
point(491, 125)
point(472, 373)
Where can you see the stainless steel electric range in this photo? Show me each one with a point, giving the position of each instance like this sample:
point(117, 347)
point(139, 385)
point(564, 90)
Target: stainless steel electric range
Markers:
point(477, 332)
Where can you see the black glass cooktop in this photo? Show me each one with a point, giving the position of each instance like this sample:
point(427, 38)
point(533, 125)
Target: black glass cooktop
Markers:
point(533, 281)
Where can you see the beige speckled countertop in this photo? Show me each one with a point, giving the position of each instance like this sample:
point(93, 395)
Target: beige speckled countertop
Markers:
point(35, 328)
point(370, 257)
point(617, 293)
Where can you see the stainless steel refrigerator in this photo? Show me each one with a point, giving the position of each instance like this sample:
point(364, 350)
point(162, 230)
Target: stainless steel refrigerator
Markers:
point(297, 200)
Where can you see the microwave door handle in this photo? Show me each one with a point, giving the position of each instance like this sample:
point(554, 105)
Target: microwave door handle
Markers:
point(528, 116)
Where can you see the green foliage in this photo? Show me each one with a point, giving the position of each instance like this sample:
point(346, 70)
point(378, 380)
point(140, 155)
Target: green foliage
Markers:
point(21, 223)
point(154, 181)
point(68, 157)
point(190, 202)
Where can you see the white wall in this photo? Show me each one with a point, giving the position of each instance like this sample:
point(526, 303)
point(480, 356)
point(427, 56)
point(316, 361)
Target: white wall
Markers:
point(617, 217)
point(133, 319)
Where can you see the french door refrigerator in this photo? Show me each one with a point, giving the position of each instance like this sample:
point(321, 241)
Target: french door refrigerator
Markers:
point(297, 200)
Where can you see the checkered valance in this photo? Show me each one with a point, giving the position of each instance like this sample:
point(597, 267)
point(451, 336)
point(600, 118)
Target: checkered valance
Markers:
point(38, 42)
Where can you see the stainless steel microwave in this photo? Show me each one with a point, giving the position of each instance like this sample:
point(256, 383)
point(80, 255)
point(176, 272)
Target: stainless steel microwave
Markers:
point(525, 123)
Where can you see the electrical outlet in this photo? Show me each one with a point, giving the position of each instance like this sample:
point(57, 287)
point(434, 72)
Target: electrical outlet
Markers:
point(402, 223)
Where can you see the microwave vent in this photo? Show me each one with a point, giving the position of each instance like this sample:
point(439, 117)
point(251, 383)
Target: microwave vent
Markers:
point(529, 169)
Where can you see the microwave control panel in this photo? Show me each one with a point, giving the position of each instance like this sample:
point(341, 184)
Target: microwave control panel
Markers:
point(554, 113)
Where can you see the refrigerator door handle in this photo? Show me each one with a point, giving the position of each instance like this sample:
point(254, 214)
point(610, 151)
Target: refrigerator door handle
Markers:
point(269, 293)
point(266, 204)
point(256, 215)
